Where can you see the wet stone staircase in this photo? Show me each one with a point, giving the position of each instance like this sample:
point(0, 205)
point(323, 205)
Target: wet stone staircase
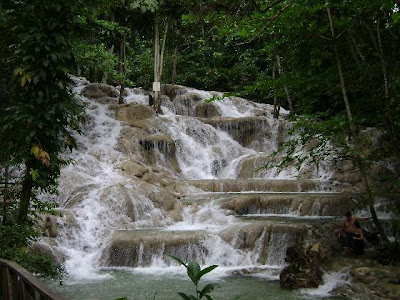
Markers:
point(246, 224)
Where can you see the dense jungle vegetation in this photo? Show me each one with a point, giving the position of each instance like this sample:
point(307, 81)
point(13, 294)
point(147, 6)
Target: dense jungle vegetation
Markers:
point(335, 64)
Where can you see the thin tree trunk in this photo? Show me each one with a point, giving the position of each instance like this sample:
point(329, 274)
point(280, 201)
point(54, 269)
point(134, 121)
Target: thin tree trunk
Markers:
point(157, 75)
point(5, 199)
point(285, 87)
point(175, 55)
point(122, 59)
point(105, 75)
point(277, 106)
point(26, 194)
point(377, 42)
point(163, 48)
point(354, 50)
point(354, 137)
point(359, 58)
point(390, 123)
point(354, 42)
point(174, 65)
point(158, 63)
point(371, 201)
point(339, 66)
point(111, 50)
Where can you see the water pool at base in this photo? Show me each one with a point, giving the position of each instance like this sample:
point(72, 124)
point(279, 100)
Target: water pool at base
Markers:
point(139, 286)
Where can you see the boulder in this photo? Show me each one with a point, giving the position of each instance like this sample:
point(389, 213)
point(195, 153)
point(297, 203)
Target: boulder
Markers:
point(99, 90)
point(133, 112)
point(304, 269)
point(206, 110)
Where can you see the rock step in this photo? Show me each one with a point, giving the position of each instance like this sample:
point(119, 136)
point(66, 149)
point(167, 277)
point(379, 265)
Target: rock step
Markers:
point(261, 239)
point(300, 204)
point(133, 248)
point(262, 185)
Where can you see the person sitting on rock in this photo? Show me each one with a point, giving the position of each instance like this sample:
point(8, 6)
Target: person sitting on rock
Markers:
point(358, 239)
point(349, 228)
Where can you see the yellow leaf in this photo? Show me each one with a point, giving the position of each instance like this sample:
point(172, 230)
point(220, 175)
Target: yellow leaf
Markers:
point(19, 71)
point(35, 150)
point(315, 247)
point(44, 157)
point(25, 78)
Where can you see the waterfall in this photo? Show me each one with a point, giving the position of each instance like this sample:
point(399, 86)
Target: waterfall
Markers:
point(95, 197)
point(113, 218)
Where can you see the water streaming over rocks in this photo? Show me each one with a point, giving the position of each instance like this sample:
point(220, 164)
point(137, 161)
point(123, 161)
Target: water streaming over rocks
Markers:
point(143, 187)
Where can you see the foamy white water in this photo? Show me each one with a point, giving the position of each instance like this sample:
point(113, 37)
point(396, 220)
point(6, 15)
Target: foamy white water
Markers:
point(202, 151)
point(97, 198)
point(331, 281)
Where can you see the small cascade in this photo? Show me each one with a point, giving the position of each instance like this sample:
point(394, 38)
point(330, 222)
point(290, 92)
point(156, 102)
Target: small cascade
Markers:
point(278, 243)
point(202, 151)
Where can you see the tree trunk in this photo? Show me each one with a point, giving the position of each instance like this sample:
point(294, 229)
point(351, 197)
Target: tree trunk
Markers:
point(111, 50)
point(277, 106)
point(176, 51)
point(157, 75)
point(163, 48)
point(383, 63)
point(158, 64)
point(174, 65)
point(5, 199)
point(122, 59)
point(288, 97)
point(339, 66)
point(26, 194)
point(105, 75)
point(354, 137)
point(389, 119)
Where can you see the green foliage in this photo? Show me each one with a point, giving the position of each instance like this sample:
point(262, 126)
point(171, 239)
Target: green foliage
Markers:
point(41, 110)
point(95, 60)
point(14, 245)
point(195, 273)
point(144, 5)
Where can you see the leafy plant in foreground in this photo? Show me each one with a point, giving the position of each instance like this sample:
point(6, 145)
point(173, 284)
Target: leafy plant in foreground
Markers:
point(195, 273)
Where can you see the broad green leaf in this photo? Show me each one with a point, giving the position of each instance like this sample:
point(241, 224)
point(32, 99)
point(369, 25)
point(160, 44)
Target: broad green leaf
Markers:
point(206, 270)
point(193, 270)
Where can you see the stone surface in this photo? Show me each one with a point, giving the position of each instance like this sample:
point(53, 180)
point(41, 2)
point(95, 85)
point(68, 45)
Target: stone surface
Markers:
point(381, 281)
point(304, 269)
point(98, 90)
point(133, 112)
point(132, 248)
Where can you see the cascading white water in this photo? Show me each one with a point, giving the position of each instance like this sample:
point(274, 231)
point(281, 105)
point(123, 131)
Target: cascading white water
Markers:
point(202, 151)
point(97, 198)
